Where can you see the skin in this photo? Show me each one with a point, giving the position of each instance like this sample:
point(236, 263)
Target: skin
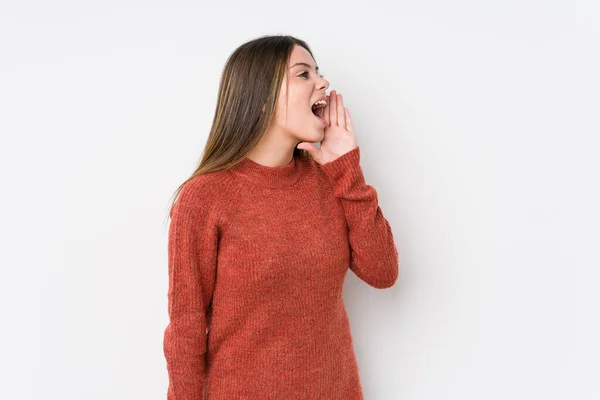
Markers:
point(303, 129)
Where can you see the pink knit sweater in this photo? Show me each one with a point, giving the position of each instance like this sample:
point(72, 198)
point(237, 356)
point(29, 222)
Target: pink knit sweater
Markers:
point(257, 261)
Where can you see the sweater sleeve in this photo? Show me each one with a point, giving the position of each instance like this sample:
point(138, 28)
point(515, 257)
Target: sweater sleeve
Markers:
point(192, 259)
point(374, 256)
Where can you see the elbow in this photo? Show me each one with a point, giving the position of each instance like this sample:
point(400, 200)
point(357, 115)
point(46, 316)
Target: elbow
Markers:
point(383, 277)
point(391, 268)
point(380, 272)
point(388, 280)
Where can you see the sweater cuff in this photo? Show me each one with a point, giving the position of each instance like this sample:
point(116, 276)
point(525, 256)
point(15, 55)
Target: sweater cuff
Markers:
point(345, 172)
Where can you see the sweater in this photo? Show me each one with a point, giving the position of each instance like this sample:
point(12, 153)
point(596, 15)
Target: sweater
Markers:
point(257, 258)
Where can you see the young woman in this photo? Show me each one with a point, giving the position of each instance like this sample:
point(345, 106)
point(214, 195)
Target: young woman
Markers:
point(263, 233)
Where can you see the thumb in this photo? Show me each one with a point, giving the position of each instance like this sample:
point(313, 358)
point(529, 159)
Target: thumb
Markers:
point(311, 148)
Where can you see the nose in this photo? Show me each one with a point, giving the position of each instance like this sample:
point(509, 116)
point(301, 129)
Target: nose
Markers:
point(324, 84)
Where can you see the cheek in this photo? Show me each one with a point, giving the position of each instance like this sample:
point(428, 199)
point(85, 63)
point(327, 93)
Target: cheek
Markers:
point(299, 98)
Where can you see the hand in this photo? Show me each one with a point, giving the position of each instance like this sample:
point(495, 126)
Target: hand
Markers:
point(339, 132)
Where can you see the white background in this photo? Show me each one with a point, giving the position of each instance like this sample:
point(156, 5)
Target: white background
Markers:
point(478, 126)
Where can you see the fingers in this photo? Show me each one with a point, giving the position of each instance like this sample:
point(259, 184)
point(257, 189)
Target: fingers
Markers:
point(332, 108)
point(326, 112)
point(341, 114)
point(349, 124)
point(335, 113)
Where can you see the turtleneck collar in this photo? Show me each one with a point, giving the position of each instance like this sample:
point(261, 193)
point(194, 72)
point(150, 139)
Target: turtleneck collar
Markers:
point(274, 177)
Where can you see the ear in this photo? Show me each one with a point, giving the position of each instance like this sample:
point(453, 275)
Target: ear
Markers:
point(263, 107)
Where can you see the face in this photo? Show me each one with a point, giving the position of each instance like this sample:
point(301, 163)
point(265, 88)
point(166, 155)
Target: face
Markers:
point(305, 86)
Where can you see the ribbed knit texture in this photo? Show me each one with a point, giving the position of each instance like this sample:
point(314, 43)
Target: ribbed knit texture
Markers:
point(257, 260)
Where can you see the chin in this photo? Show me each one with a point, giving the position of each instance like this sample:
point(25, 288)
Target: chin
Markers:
point(315, 133)
point(318, 137)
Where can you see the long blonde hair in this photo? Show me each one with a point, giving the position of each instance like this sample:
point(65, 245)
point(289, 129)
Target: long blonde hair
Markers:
point(251, 78)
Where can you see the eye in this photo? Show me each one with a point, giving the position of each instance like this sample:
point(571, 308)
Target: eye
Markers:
point(304, 74)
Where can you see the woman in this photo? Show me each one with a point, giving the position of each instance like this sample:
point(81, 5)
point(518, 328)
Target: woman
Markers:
point(263, 233)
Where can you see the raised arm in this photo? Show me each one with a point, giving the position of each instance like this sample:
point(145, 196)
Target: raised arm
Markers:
point(192, 254)
point(374, 256)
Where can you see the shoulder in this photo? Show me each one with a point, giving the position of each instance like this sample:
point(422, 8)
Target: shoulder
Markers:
point(203, 192)
point(203, 185)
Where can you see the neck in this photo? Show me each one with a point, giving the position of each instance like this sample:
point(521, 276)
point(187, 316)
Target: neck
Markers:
point(277, 176)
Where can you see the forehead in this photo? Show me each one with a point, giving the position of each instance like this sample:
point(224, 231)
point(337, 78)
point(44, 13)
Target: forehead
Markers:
point(300, 55)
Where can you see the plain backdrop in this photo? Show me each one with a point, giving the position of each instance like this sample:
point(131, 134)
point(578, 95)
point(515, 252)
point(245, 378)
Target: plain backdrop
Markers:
point(478, 123)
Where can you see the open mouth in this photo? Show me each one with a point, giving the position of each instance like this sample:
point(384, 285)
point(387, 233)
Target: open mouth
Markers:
point(318, 109)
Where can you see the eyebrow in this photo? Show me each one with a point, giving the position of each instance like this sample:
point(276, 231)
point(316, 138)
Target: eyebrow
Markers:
point(304, 64)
